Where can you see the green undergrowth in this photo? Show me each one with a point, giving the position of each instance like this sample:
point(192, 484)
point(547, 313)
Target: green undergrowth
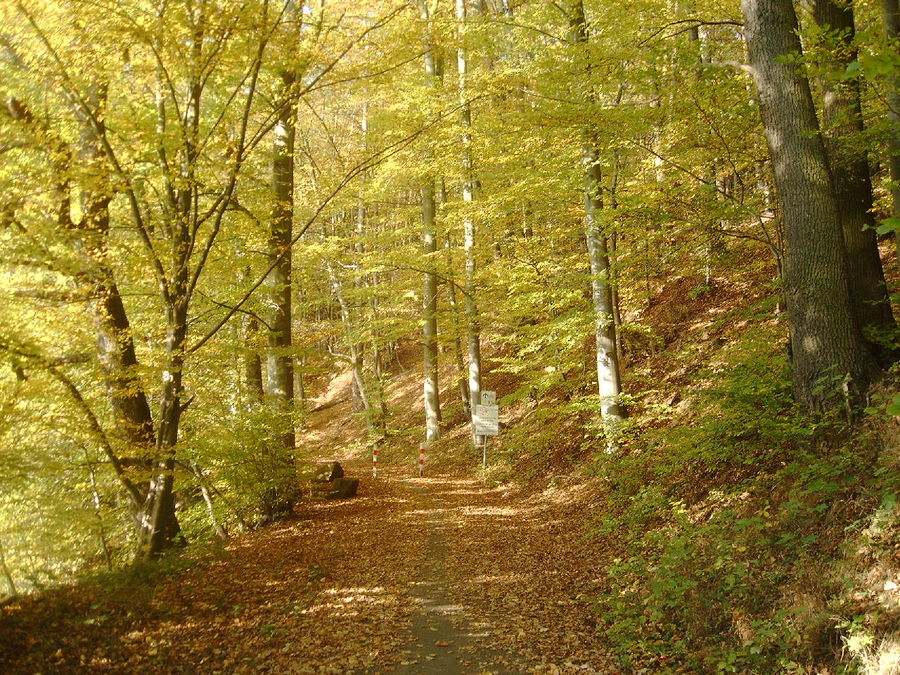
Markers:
point(743, 537)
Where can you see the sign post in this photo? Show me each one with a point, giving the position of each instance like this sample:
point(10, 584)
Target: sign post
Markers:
point(487, 421)
point(375, 461)
point(422, 458)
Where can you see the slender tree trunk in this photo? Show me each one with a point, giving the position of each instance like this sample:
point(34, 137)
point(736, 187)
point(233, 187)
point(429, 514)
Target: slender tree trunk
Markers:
point(98, 513)
point(832, 366)
point(429, 247)
point(849, 164)
point(7, 575)
point(462, 374)
point(253, 376)
point(473, 320)
point(356, 357)
point(614, 266)
point(608, 378)
point(280, 368)
point(429, 330)
point(218, 528)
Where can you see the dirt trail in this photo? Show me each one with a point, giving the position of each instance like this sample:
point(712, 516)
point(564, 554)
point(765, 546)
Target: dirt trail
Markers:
point(431, 575)
point(439, 644)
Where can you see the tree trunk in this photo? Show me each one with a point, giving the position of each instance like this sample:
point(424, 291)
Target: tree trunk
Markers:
point(131, 410)
point(429, 316)
point(7, 575)
point(280, 368)
point(429, 245)
point(353, 344)
point(849, 164)
point(462, 376)
point(891, 13)
point(98, 513)
point(160, 527)
point(280, 360)
point(473, 321)
point(832, 366)
point(608, 377)
point(607, 361)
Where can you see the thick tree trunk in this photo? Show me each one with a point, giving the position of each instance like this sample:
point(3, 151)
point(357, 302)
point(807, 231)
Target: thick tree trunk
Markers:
point(832, 366)
point(160, 528)
point(280, 368)
point(849, 164)
point(134, 422)
point(891, 12)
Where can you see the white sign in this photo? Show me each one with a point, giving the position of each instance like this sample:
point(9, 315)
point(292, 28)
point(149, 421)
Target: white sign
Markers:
point(487, 420)
point(488, 398)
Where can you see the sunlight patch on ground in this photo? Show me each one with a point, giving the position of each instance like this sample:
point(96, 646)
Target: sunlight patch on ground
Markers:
point(499, 579)
point(507, 511)
point(340, 599)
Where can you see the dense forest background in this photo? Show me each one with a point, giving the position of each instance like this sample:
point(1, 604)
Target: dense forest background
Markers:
point(664, 232)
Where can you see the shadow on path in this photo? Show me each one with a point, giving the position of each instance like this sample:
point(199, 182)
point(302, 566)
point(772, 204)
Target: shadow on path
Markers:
point(442, 632)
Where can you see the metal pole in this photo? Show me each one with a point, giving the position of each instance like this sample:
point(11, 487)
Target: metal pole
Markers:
point(422, 459)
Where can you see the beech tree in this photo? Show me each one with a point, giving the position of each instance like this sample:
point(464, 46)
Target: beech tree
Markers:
point(832, 366)
point(849, 165)
point(607, 361)
point(431, 393)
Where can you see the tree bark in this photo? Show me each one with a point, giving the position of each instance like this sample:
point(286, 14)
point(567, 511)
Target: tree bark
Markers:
point(891, 12)
point(607, 362)
point(462, 375)
point(253, 376)
point(473, 320)
point(7, 574)
point(429, 316)
point(832, 366)
point(431, 395)
point(849, 164)
point(98, 513)
point(355, 348)
point(280, 368)
point(155, 518)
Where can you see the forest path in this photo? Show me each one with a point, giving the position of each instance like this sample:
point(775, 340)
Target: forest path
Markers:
point(416, 575)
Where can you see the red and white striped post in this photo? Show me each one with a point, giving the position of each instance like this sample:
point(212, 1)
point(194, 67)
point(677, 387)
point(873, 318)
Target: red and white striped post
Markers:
point(421, 459)
point(375, 461)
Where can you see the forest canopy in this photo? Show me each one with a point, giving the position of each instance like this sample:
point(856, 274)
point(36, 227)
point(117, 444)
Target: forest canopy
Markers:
point(206, 207)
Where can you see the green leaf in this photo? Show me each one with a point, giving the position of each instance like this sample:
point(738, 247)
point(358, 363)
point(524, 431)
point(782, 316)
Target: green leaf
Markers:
point(852, 70)
point(888, 225)
point(893, 407)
